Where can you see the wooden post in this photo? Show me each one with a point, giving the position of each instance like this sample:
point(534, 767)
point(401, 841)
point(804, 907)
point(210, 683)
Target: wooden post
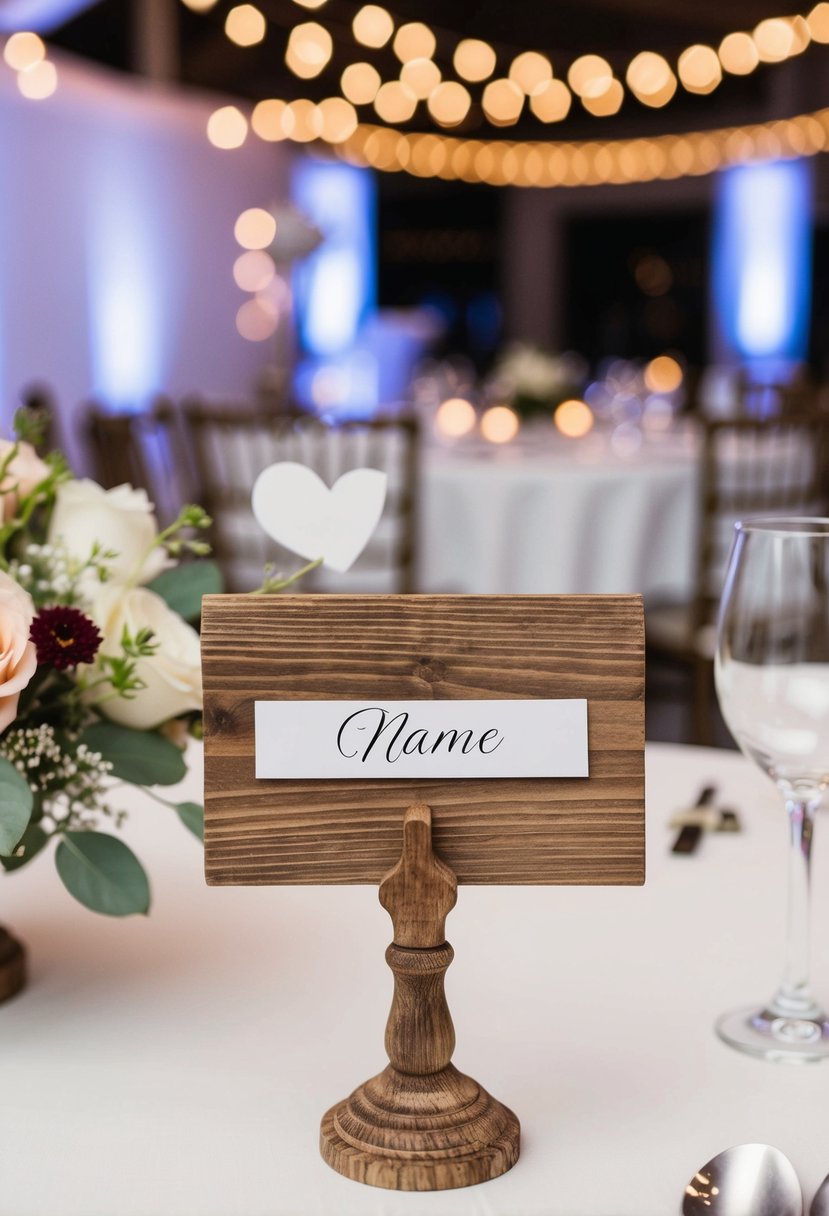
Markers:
point(12, 966)
point(420, 1125)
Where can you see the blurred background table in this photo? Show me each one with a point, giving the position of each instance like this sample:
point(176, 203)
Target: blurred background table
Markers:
point(181, 1063)
point(548, 514)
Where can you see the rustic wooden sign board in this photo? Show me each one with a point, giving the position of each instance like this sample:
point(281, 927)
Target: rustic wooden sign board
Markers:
point(424, 648)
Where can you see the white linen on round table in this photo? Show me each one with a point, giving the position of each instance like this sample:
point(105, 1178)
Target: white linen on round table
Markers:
point(558, 516)
point(178, 1065)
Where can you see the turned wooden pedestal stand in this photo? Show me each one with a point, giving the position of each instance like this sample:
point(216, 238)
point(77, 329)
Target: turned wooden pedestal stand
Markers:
point(420, 1125)
point(12, 966)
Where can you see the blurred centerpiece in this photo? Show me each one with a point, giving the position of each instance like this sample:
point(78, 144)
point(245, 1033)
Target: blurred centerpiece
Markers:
point(534, 381)
point(100, 681)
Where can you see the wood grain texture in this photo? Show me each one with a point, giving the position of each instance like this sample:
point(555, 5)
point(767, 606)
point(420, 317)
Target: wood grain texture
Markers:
point(12, 966)
point(420, 1125)
point(302, 647)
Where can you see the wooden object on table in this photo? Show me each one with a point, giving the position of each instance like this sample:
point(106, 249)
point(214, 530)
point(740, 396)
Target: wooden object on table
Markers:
point(748, 466)
point(231, 445)
point(12, 966)
point(522, 830)
point(420, 1125)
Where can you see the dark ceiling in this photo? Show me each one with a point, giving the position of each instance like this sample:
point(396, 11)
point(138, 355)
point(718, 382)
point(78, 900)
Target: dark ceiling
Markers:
point(205, 58)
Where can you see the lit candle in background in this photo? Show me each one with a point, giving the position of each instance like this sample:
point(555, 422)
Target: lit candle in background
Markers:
point(573, 418)
point(454, 418)
point(499, 424)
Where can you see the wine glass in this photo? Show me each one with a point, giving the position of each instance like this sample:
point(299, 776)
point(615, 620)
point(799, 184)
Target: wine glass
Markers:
point(772, 677)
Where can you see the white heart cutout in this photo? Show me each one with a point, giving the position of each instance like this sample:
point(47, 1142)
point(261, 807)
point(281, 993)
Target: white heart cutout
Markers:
point(296, 509)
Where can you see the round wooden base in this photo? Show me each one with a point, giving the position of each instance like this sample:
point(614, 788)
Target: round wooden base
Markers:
point(420, 1133)
point(12, 966)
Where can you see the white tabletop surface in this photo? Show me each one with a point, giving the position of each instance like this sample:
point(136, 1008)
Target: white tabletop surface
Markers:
point(178, 1065)
point(525, 517)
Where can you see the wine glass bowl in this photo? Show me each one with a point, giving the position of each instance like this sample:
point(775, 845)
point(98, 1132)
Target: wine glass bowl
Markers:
point(772, 678)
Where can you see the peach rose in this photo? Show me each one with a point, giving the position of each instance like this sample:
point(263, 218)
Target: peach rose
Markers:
point(18, 657)
point(25, 472)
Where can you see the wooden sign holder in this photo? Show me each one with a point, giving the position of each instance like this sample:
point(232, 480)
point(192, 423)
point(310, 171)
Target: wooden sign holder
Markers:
point(421, 1124)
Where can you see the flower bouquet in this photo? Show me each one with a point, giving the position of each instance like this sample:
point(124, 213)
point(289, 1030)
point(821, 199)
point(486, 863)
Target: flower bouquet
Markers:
point(534, 381)
point(100, 679)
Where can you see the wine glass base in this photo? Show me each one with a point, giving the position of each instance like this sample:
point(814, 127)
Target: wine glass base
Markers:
point(783, 1040)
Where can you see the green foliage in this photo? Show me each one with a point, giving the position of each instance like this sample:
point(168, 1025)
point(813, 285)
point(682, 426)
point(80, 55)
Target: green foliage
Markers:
point(191, 815)
point(103, 874)
point(182, 587)
point(16, 803)
point(142, 757)
point(31, 842)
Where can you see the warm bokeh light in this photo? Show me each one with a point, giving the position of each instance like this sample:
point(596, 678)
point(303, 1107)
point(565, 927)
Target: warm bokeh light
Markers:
point(648, 74)
point(360, 82)
point(818, 22)
point(310, 3)
point(227, 127)
point(474, 60)
point(253, 270)
point(801, 35)
point(414, 41)
point(589, 75)
point(573, 418)
point(372, 26)
point(699, 69)
point(200, 6)
point(455, 418)
point(39, 81)
point(502, 102)
point(663, 374)
point(302, 121)
point(310, 46)
point(394, 102)
point(245, 25)
point(268, 119)
point(422, 76)
point(774, 39)
point(662, 97)
point(256, 321)
point(530, 71)
point(449, 104)
point(552, 103)
point(499, 424)
point(338, 120)
point(255, 228)
point(738, 54)
point(609, 102)
point(23, 51)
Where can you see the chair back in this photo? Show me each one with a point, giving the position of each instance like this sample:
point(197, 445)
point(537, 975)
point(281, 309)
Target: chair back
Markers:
point(750, 466)
point(145, 449)
point(232, 445)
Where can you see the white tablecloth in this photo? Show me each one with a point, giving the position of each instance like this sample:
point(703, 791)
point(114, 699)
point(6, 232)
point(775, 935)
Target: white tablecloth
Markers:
point(178, 1065)
point(548, 514)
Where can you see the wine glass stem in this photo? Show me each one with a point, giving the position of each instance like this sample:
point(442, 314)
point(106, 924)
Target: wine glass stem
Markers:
point(794, 997)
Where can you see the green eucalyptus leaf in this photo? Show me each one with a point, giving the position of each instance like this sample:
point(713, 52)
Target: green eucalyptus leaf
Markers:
point(31, 842)
point(142, 757)
point(15, 807)
point(191, 815)
point(182, 587)
point(102, 873)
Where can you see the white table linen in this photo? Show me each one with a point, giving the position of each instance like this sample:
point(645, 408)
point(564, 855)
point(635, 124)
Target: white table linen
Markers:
point(550, 515)
point(178, 1065)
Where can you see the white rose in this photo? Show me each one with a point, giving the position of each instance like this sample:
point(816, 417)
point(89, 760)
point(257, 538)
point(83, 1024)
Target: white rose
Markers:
point(120, 520)
point(18, 658)
point(172, 675)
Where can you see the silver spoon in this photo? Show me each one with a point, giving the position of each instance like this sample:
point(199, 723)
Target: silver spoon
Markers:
point(747, 1180)
point(820, 1203)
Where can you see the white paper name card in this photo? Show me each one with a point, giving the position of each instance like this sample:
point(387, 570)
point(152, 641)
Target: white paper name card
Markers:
point(321, 740)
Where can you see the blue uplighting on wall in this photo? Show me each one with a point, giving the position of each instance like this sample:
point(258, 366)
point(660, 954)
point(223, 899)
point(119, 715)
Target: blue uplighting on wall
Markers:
point(335, 287)
point(127, 281)
point(761, 264)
